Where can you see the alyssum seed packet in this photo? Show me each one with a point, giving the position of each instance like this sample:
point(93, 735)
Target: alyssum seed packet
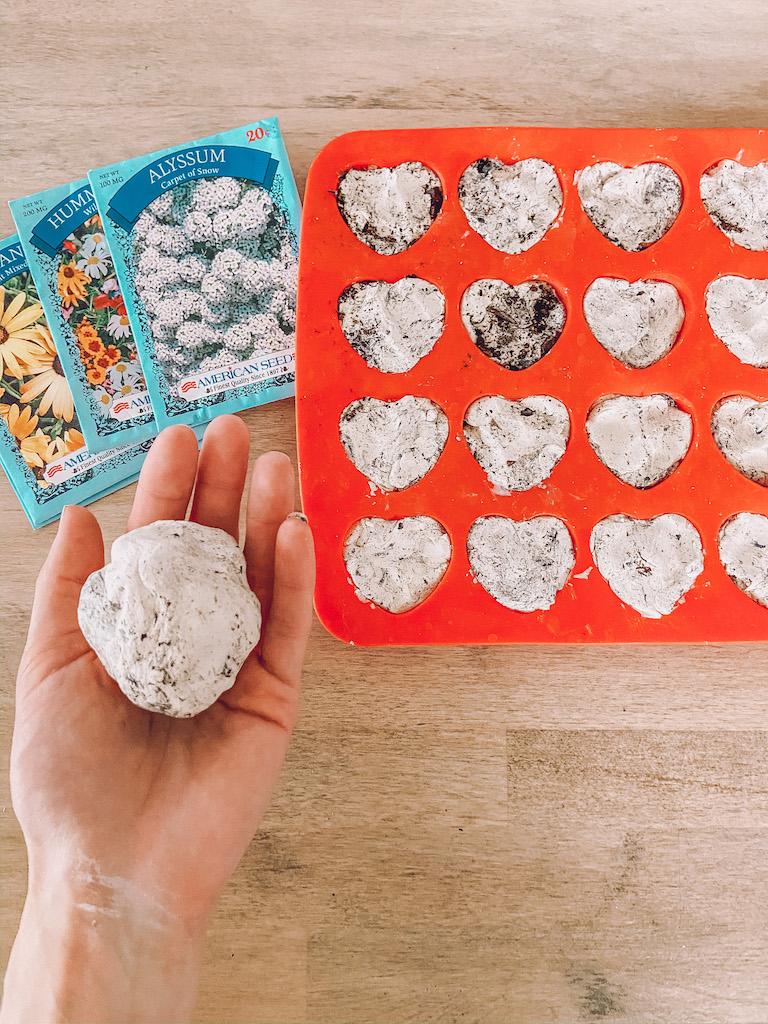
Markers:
point(63, 240)
point(42, 448)
point(205, 242)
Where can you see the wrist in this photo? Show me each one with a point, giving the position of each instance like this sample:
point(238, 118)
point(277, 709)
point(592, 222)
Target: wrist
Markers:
point(98, 948)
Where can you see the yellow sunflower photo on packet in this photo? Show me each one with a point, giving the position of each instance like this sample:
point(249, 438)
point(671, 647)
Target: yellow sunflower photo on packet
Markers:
point(42, 448)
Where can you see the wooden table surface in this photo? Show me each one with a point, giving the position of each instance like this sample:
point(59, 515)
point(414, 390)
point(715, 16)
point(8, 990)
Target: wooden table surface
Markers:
point(462, 835)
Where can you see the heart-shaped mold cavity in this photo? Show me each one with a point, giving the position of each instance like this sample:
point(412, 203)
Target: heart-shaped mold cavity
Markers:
point(522, 564)
point(393, 444)
point(740, 430)
point(392, 325)
point(736, 198)
point(511, 206)
point(743, 547)
point(737, 309)
point(396, 563)
point(636, 321)
point(389, 208)
point(631, 206)
point(513, 324)
point(650, 564)
point(517, 443)
point(640, 439)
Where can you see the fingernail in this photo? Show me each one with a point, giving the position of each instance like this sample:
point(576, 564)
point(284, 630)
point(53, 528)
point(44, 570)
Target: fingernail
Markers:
point(298, 515)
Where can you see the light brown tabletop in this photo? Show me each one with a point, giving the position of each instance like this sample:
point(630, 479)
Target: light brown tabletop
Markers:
point(500, 836)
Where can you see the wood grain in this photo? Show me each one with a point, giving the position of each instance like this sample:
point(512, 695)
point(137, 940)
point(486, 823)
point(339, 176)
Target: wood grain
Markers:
point(470, 835)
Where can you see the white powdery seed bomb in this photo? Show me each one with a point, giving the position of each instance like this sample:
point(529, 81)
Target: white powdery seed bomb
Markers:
point(523, 565)
point(736, 198)
point(515, 325)
point(172, 617)
point(517, 443)
point(737, 309)
point(393, 444)
point(632, 206)
point(396, 563)
point(743, 548)
point(649, 564)
point(636, 321)
point(740, 430)
point(392, 326)
point(511, 206)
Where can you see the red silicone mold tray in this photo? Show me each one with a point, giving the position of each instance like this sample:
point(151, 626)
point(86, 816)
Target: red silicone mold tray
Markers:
point(698, 372)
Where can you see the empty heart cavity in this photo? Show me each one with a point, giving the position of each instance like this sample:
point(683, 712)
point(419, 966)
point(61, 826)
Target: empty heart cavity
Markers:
point(632, 206)
point(740, 430)
point(522, 564)
point(511, 206)
point(389, 208)
point(736, 198)
point(396, 563)
point(737, 309)
point(393, 444)
point(392, 325)
point(650, 564)
point(636, 321)
point(515, 325)
point(517, 443)
point(640, 439)
point(743, 547)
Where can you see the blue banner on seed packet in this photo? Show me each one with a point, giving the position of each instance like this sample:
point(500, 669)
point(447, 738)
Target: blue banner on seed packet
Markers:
point(52, 229)
point(172, 169)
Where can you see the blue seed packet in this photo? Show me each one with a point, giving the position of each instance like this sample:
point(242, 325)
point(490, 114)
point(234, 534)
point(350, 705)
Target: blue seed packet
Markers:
point(42, 448)
point(205, 242)
point(67, 253)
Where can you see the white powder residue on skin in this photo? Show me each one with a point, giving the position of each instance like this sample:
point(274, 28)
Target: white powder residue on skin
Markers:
point(641, 440)
point(523, 565)
point(743, 547)
point(515, 325)
point(632, 206)
point(737, 308)
point(636, 321)
point(649, 564)
point(389, 208)
point(736, 198)
point(116, 898)
point(517, 443)
point(511, 206)
point(740, 430)
point(396, 563)
point(393, 444)
point(392, 326)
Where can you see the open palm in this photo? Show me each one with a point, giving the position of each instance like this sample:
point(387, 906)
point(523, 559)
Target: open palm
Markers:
point(166, 804)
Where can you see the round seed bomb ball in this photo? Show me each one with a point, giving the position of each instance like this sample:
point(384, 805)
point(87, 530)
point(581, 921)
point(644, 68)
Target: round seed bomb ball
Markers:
point(172, 617)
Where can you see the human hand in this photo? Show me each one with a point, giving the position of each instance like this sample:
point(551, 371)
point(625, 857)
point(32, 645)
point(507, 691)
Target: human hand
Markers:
point(118, 804)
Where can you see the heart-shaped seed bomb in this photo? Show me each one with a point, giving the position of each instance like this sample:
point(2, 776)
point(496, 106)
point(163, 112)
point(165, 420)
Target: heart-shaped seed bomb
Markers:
point(743, 547)
point(736, 198)
point(524, 565)
point(632, 206)
point(517, 443)
point(641, 440)
point(393, 444)
point(511, 206)
point(392, 326)
point(636, 321)
point(650, 564)
point(516, 325)
point(737, 308)
point(389, 208)
point(396, 563)
point(740, 430)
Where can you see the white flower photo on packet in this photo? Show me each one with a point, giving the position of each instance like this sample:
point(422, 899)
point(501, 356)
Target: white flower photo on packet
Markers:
point(67, 252)
point(205, 242)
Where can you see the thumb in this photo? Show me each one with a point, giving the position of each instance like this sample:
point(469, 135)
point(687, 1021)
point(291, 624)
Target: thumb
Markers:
point(76, 552)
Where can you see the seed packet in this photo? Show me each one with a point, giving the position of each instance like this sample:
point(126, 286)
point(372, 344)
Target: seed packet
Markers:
point(205, 242)
point(42, 448)
point(68, 256)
